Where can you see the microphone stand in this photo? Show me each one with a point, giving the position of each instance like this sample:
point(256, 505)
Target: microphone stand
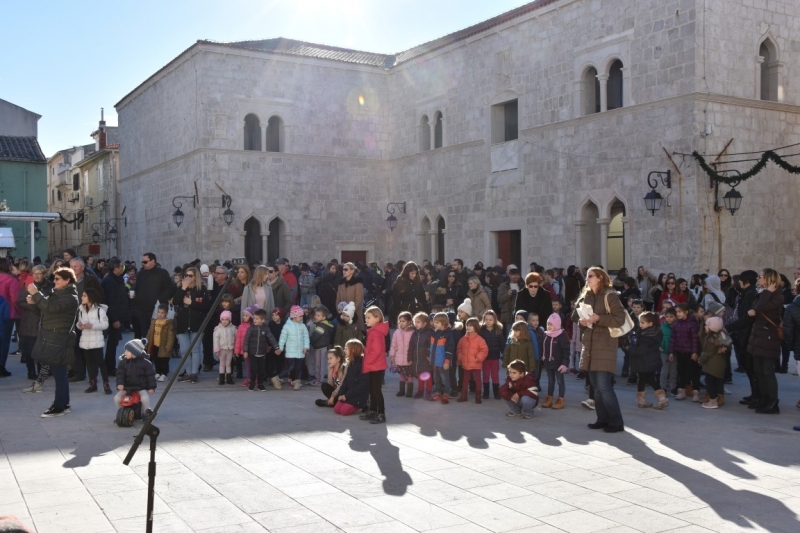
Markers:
point(152, 431)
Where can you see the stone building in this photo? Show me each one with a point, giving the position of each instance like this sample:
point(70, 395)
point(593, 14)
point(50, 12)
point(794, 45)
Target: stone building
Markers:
point(528, 136)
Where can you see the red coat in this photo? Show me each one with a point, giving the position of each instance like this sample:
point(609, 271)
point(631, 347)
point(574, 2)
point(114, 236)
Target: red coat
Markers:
point(472, 350)
point(375, 350)
point(521, 387)
point(675, 297)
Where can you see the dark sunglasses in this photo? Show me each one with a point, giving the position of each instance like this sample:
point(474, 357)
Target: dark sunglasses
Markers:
point(189, 276)
point(533, 286)
point(271, 271)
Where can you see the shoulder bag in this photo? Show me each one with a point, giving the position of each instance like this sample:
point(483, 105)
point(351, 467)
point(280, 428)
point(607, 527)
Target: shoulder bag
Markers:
point(774, 325)
point(625, 328)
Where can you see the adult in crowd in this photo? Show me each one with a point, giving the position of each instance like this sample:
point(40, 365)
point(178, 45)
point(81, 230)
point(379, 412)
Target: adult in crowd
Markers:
point(408, 294)
point(714, 292)
point(764, 344)
point(83, 280)
point(656, 291)
point(153, 285)
point(573, 282)
point(9, 289)
point(29, 317)
point(281, 292)
point(351, 289)
point(191, 302)
point(599, 351)
point(619, 281)
point(241, 280)
point(450, 293)
point(258, 293)
point(58, 311)
point(462, 273)
point(535, 299)
point(507, 295)
point(283, 267)
point(788, 298)
point(390, 275)
point(740, 329)
point(327, 286)
point(671, 293)
point(791, 327)
point(645, 281)
point(481, 302)
point(119, 311)
point(725, 280)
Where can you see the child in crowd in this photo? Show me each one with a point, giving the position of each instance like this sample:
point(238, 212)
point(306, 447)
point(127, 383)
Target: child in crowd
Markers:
point(306, 284)
point(520, 347)
point(336, 373)
point(321, 339)
point(295, 343)
point(684, 345)
point(346, 330)
point(555, 359)
point(160, 340)
point(256, 346)
point(92, 321)
point(636, 308)
point(224, 343)
point(418, 355)
point(576, 346)
point(472, 351)
point(238, 347)
point(715, 343)
point(665, 306)
point(227, 304)
point(135, 373)
point(493, 334)
point(375, 363)
point(669, 367)
point(537, 339)
point(398, 353)
point(440, 357)
point(276, 328)
point(354, 391)
point(520, 390)
point(646, 360)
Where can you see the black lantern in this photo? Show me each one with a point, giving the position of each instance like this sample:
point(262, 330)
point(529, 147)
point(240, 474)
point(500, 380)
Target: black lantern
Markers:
point(732, 200)
point(178, 215)
point(37, 233)
point(96, 233)
point(653, 199)
point(227, 215)
point(112, 233)
point(391, 221)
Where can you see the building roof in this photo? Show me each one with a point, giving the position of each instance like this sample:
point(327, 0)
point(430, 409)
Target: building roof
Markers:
point(25, 149)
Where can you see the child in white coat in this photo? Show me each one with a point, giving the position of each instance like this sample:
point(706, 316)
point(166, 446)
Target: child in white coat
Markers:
point(224, 342)
point(92, 321)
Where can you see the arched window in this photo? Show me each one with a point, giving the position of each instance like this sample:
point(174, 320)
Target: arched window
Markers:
point(277, 229)
point(424, 240)
point(424, 134)
point(769, 71)
point(615, 85)
point(591, 91)
point(440, 231)
point(590, 235)
point(252, 241)
point(275, 134)
point(252, 133)
point(438, 130)
point(616, 238)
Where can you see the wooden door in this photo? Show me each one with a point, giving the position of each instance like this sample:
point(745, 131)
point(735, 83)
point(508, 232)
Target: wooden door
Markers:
point(354, 256)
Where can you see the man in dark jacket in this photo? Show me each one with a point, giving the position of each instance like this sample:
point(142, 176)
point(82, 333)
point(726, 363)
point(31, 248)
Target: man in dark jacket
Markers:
point(280, 289)
point(740, 330)
point(153, 285)
point(119, 310)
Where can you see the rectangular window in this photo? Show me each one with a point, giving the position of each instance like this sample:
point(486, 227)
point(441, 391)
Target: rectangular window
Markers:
point(100, 177)
point(76, 182)
point(505, 122)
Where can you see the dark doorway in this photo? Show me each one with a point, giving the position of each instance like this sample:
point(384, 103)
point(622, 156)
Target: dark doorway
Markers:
point(354, 256)
point(252, 241)
point(274, 240)
point(509, 247)
point(440, 229)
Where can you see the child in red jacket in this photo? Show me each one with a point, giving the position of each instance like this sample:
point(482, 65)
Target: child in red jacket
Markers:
point(375, 363)
point(472, 350)
point(520, 390)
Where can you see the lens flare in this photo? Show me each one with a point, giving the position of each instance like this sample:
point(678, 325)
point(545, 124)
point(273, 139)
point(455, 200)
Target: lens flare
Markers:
point(361, 100)
point(424, 376)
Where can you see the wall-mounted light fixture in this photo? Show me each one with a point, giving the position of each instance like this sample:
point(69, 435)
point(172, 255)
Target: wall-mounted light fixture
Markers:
point(391, 221)
point(178, 215)
point(653, 199)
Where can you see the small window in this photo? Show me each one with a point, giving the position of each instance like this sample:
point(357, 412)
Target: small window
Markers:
point(590, 88)
point(76, 182)
point(275, 134)
point(424, 134)
point(769, 71)
point(438, 130)
point(505, 122)
point(252, 133)
point(615, 100)
point(58, 195)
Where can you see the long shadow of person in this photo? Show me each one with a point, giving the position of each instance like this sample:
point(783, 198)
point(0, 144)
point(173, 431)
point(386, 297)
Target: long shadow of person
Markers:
point(83, 455)
point(374, 439)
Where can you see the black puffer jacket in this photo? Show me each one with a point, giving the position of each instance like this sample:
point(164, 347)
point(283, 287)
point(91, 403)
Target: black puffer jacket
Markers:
point(408, 296)
point(190, 317)
point(119, 305)
point(355, 387)
point(419, 348)
point(136, 374)
point(29, 321)
point(646, 353)
point(791, 327)
point(496, 343)
point(764, 340)
point(555, 352)
point(740, 328)
point(58, 309)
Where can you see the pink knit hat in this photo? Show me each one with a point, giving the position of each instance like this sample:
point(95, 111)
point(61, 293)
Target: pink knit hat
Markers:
point(225, 314)
point(295, 311)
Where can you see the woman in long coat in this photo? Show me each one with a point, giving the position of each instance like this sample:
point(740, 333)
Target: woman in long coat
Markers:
point(351, 289)
point(408, 294)
point(764, 344)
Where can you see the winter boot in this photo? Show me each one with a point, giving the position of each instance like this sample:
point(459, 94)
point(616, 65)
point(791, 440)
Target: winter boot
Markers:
point(297, 384)
point(478, 398)
point(421, 392)
point(705, 398)
point(276, 382)
point(689, 390)
point(770, 409)
point(559, 403)
point(229, 379)
point(369, 415)
point(106, 387)
point(402, 391)
point(485, 391)
point(409, 389)
point(548, 402)
point(92, 386)
point(496, 391)
point(379, 419)
point(696, 396)
point(661, 396)
point(463, 396)
point(641, 399)
point(720, 399)
point(681, 394)
point(445, 398)
point(710, 404)
point(222, 379)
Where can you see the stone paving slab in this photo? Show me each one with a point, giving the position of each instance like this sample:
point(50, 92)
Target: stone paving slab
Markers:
point(234, 461)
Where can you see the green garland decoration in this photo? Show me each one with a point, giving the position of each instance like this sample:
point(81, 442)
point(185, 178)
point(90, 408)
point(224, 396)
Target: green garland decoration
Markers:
point(767, 156)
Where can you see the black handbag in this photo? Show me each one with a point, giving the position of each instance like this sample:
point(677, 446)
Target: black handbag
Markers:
point(54, 348)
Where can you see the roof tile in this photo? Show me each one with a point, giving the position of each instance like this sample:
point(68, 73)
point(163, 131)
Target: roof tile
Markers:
point(21, 149)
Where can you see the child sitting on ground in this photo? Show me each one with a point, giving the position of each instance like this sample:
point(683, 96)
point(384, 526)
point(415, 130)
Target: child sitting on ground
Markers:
point(354, 391)
point(336, 374)
point(224, 342)
point(645, 357)
point(135, 373)
point(520, 390)
point(555, 359)
point(715, 343)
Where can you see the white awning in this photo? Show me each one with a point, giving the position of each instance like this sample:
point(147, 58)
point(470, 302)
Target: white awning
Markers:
point(27, 216)
point(7, 238)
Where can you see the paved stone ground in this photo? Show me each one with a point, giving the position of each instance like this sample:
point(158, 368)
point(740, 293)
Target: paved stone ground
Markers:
point(233, 461)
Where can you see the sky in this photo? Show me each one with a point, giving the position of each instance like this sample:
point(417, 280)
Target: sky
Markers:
point(66, 60)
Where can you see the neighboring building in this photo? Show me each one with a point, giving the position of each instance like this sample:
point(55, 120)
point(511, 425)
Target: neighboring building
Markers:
point(65, 196)
point(23, 174)
point(527, 137)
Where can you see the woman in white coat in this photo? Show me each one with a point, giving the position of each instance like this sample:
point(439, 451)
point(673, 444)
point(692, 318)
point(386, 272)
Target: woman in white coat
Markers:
point(92, 321)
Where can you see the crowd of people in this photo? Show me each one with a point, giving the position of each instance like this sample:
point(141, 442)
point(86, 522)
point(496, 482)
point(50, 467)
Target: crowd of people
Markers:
point(443, 328)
